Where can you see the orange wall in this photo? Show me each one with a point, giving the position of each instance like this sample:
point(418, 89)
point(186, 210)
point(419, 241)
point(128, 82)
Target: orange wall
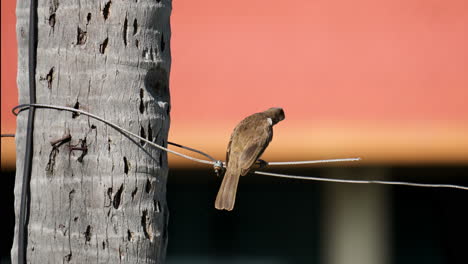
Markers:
point(384, 80)
point(9, 94)
point(9, 65)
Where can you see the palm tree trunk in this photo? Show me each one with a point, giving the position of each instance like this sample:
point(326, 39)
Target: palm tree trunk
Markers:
point(100, 197)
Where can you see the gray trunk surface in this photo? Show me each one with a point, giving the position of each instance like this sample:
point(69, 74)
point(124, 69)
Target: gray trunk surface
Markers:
point(105, 204)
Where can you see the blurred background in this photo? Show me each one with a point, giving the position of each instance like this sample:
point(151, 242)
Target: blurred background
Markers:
point(385, 80)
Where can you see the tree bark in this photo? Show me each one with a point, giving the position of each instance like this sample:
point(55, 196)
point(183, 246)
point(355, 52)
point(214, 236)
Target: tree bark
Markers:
point(99, 198)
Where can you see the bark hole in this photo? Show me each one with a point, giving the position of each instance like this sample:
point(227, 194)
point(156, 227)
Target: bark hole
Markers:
point(50, 77)
point(137, 43)
point(103, 46)
point(81, 36)
point(83, 148)
point(75, 219)
point(142, 105)
point(135, 26)
point(129, 235)
point(118, 197)
point(68, 257)
point(93, 126)
point(71, 194)
point(109, 141)
point(148, 186)
point(54, 4)
point(125, 26)
point(157, 206)
point(87, 234)
point(145, 223)
point(103, 245)
point(76, 106)
point(106, 10)
point(125, 165)
point(134, 192)
point(55, 150)
point(150, 132)
point(52, 20)
point(143, 135)
point(163, 43)
point(88, 18)
point(109, 194)
point(51, 163)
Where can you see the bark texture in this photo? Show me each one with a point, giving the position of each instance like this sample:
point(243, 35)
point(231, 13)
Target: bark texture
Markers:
point(99, 198)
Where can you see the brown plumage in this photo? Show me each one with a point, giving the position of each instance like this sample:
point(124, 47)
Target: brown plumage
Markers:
point(248, 141)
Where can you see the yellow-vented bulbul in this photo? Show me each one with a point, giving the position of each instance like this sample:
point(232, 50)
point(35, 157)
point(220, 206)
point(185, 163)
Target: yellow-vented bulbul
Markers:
point(248, 141)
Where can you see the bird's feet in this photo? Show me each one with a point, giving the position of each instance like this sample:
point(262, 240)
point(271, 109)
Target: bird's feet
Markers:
point(262, 164)
point(219, 168)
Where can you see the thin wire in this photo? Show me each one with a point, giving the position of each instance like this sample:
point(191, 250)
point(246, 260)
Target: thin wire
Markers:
point(275, 163)
point(193, 150)
point(269, 163)
point(361, 181)
point(116, 127)
point(122, 130)
point(217, 162)
point(311, 161)
point(170, 143)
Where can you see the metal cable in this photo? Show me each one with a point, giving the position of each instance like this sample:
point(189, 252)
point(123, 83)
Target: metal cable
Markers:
point(218, 163)
point(193, 150)
point(116, 127)
point(28, 156)
point(361, 181)
point(279, 163)
point(122, 130)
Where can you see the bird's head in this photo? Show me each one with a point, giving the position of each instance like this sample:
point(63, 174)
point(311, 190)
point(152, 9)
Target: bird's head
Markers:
point(275, 113)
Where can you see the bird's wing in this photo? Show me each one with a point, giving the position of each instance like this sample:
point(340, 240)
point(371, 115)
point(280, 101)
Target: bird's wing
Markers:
point(228, 150)
point(255, 147)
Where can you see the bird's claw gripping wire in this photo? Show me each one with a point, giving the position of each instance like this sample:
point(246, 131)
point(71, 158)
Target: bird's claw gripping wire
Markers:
point(262, 163)
point(219, 168)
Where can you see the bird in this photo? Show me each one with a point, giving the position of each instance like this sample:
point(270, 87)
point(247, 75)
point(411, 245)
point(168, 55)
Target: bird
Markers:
point(249, 140)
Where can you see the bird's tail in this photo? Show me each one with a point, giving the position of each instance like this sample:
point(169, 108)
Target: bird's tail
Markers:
point(227, 192)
